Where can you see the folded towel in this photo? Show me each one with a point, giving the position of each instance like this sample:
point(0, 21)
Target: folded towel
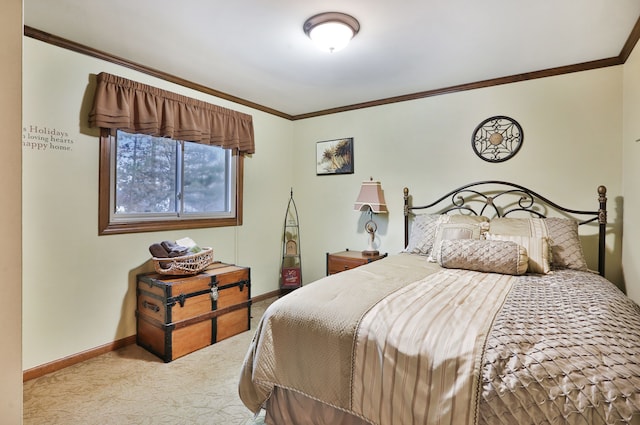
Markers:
point(174, 250)
point(189, 243)
point(182, 251)
point(158, 251)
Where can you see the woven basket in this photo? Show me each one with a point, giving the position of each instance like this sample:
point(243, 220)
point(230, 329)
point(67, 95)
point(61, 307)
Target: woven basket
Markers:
point(185, 265)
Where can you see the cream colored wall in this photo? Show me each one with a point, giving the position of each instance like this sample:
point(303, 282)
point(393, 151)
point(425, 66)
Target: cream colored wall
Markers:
point(10, 214)
point(631, 175)
point(79, 288)
point(572, 131)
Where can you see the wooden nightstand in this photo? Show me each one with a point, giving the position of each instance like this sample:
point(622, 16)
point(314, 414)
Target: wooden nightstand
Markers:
point(340, 261)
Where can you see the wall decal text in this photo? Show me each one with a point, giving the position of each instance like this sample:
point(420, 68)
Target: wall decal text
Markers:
point(44, 138)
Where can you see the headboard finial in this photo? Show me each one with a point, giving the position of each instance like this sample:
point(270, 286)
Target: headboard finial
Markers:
point(406, 203)
point(602, 198)
point(602, 223)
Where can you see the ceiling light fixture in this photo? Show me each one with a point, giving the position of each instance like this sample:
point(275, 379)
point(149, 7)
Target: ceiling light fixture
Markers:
point(331, 31)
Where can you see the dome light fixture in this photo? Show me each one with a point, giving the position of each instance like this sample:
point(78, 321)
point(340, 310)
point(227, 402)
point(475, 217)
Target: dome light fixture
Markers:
point(331, 31)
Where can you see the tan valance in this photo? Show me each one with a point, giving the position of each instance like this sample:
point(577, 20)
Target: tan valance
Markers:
point(138, 108)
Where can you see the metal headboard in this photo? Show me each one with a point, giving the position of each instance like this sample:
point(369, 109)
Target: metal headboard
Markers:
point(501, 199)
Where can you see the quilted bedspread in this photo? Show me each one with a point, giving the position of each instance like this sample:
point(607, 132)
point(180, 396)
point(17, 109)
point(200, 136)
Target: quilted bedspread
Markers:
point(403, 342)
point(564, 349)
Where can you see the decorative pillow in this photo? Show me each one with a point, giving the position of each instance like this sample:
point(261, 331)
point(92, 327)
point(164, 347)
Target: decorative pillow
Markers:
point(425, 226)
point(449, 231)
point(566, 248)
point(537, 250)
point(423, 232)
point(503, 257)
point(563, 237)
point(519, 227)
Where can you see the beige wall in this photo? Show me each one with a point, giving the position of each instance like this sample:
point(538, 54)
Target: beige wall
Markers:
point(631, 175)
point(10, 214)
point(86, 282)
point(572, 130)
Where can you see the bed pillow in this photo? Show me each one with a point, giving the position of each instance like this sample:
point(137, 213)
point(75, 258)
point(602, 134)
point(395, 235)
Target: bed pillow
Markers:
point(422, 234)
point(488, 256)
point(564, 242)
point(454, 231)
point(566, 247)
point(424, 228)
point(537, 250)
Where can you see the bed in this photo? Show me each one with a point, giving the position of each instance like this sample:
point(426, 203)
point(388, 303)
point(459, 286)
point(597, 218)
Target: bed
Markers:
point(490, 315)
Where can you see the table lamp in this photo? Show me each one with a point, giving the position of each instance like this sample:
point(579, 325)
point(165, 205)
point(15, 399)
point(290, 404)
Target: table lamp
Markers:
point(371, 199)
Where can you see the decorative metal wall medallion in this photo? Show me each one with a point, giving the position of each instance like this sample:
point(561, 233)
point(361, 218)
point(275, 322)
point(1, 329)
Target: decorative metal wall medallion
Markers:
point(497, 139)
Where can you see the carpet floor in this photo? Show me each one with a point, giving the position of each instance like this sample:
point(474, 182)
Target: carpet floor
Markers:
point(132, 386)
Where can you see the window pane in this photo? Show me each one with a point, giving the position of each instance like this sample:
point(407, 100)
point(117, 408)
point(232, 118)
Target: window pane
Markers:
point(156, 183)
point(145, 174)
point(206, 178)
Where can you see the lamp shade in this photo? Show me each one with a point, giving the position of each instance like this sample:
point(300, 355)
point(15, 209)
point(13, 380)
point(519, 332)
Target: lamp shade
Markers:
point(371, 198)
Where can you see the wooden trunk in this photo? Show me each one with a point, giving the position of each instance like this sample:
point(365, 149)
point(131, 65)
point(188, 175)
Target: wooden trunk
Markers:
point(177, 315)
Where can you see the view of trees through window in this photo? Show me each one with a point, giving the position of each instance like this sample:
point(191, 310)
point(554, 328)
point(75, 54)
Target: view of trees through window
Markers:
point(157, 176)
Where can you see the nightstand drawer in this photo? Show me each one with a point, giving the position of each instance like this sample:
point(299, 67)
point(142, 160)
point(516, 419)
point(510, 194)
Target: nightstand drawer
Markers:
point(346, 260)
point(337, 265)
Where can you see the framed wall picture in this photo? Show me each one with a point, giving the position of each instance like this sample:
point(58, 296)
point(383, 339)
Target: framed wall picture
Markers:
point(334, 157)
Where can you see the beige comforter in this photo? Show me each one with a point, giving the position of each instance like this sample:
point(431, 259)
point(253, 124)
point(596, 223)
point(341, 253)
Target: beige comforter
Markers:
point(401, 341)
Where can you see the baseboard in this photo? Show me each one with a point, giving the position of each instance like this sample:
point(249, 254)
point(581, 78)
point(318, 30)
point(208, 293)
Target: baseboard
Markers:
point(266, 296)
point(56, 365)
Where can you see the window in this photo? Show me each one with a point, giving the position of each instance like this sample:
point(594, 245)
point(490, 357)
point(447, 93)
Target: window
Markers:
point(152, 183)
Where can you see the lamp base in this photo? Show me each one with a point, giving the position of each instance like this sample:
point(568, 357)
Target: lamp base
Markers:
point(368, 253)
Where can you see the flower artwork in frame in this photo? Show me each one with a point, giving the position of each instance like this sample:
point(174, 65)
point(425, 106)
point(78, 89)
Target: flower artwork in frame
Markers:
point(334, 157)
